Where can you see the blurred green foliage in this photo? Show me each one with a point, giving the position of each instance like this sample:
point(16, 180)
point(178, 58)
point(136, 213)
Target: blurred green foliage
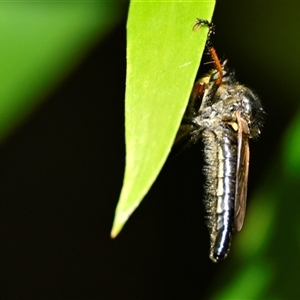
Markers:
point(40, 44)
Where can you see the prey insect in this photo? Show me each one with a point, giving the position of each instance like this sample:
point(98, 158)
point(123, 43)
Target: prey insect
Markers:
point(224, 115)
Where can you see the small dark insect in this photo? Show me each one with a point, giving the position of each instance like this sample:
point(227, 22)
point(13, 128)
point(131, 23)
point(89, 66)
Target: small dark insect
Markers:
point(225, 115)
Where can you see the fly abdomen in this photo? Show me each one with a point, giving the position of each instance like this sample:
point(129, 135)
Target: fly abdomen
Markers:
point(221, 157)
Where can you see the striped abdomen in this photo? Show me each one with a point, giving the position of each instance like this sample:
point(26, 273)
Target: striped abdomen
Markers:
point(220, 149)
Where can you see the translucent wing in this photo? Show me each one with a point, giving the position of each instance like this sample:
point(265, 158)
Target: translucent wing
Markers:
point(242, 170)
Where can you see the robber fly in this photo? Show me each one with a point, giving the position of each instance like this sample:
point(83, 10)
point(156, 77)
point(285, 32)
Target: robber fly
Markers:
point(225, 115)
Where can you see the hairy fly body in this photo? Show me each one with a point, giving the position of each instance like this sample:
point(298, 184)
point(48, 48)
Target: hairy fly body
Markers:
point(224, 115)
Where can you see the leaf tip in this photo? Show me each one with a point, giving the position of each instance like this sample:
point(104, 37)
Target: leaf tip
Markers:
point(119, 222)
point(117, 227)
point(123, 211)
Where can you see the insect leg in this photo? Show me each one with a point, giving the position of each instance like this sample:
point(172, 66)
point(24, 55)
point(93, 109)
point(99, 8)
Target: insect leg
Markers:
point(194, 101)
point(210, 47)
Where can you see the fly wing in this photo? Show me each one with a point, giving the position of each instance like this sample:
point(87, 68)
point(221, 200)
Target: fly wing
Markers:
point(242, 170)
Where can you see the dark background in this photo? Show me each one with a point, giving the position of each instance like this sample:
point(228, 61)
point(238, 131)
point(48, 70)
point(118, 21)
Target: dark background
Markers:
point(62, 171)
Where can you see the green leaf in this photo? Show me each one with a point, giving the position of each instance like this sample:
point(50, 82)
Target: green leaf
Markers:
point(163, 56)
point(40, 43)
